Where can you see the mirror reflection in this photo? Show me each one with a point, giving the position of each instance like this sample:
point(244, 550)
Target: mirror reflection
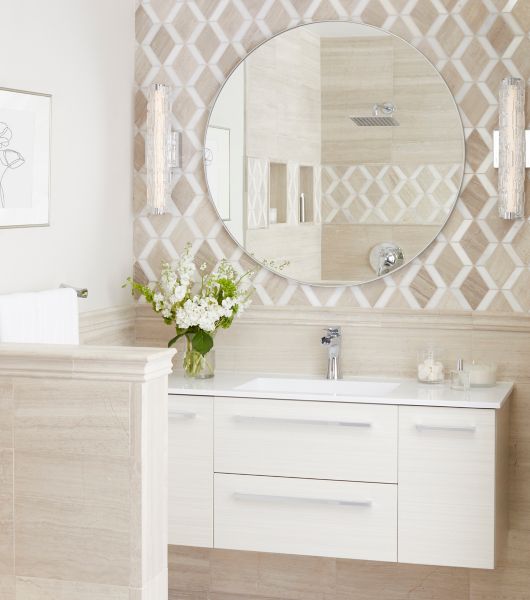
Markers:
point(334, 153)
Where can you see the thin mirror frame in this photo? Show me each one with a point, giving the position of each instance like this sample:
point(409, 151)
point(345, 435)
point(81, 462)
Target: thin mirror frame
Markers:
point(336, 284)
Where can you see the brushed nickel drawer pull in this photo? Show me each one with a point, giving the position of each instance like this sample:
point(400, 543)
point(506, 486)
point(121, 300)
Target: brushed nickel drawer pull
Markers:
point(298, 499)
point(295, 421)
point(422, 426)
point(183, 414)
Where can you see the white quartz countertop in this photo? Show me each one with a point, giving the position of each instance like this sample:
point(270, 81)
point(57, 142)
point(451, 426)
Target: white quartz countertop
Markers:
point(380, 391)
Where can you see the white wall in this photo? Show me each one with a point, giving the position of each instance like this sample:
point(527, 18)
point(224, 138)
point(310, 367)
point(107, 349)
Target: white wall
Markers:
point(81, 52)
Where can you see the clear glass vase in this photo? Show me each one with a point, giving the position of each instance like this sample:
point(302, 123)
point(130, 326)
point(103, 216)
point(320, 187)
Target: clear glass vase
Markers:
point(197, 365)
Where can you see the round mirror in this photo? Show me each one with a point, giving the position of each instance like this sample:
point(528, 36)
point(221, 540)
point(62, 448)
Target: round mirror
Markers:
point(334, 153)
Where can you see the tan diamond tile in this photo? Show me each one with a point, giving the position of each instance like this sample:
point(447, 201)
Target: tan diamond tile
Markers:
point(185, 22)
point(182, 234)
point(142, 66)
point(157, 257)
point(423, 287)
point(277, 18)
point(373, 290)
point(500, 35)
point(139, 193)
point(500, 266)
point(185, 64)
point(474, 105)
point(230, 20)
point(207, 43)
point(475, 59)
point(160, 222)
point(184, 107)
point(228, 61)
point(162, 7)
point(521, 12)
point(521, 290)
point(474, 196)
point(207, 7)
point(424, 15)
point(476, 150)
point(452, 77)
point(139, 275)
point(474, 242)
point(140, 237)
point(323, 10)
point(499, 72)
point(205, 254)
point(183, 194)
point(162, 44)
point(142, 24)
point(474, 289)
point(474, 13)
point(206, 217)
point(374, 14)
point(207, 86)
point(139, 151)
point(500, 305)
point(140, 108)
point(521, 59)
point(450, 35)
point(521, 243)
point(448, 264)
point(499, 227)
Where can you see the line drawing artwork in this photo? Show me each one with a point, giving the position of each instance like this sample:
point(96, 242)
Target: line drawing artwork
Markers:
point(9, 159)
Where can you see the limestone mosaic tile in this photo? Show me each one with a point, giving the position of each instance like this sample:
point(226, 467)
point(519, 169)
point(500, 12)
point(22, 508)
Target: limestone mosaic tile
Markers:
point(477, 263)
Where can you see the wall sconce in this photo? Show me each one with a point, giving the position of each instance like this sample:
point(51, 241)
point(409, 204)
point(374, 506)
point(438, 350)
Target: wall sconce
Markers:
point(162, 156)
point(509, 148)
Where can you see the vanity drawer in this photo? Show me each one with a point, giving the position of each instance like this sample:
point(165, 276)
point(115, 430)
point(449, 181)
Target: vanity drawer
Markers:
point(190, 474)
point(446, 486)
point(320, 440)
point(300, 516)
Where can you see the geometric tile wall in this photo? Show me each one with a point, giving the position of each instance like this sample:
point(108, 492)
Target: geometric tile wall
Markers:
point(478, 262)
point(389, 194)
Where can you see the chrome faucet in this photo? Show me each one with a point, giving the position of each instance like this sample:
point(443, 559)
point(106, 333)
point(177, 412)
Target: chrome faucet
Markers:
point(332, 341)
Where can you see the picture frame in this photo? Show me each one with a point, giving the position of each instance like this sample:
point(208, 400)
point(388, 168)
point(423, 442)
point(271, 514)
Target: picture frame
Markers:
point(25, 134)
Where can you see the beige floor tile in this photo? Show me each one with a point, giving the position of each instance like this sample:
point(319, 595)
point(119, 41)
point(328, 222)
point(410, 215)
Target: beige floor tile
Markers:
point(6, 415)
point(48, 589)
point(7, 564)
point(234, 572)
point(189, 569)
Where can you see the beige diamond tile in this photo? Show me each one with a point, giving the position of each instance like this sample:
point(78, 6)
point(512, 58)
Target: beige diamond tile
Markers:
point(521, 12)
point(228, 61)
point(321, 11)
point(277, 18)
point(142, 66)
point(474, 289)
point(424, 15)
point(207, 86)
point(373, 290)
point(500, 266)
point(139, 193)
point(139, 274)
point(230, 20)
point(182, 235)
point(207, 7)
point(500, 305)
point(452, 77)
point(185, 23)
point(162, 8)
point(140, 108)
point(474, 195)
point(475, 59)
point(375, 13)
point(476, 150)
point(162, 44)
point(423, 287)
point(474, 242)
point(142, 24)
point(474, 105)
point(139, 152)
point(521, 290)
point(141, 237)
point(448, 265)
point(500, 35)
point(185, 64)
point(207, 43)
point(450, 35)
point(474, 13)
point(185, 107)
point(157, 257)
point(205, 254)
point(521, 59)
point(253, 37)
point(521, 243)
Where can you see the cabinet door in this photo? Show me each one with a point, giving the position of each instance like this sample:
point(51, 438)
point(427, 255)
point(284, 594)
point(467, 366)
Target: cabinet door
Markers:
point(446, 486)
point(190, 463)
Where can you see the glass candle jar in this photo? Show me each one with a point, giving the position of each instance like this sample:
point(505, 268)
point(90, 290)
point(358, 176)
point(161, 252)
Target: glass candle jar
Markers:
point(430, 367)
point(482, 374)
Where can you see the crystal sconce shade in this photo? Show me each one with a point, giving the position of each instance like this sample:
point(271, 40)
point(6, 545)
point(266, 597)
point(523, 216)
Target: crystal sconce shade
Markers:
point(162, 154)
point(510, 148)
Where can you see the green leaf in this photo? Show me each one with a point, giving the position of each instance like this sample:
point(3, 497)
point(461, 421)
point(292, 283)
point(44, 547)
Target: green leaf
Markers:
point(202, 342)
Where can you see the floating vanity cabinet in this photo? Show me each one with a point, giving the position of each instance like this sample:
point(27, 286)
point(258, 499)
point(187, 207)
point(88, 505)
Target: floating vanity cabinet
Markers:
point(389, 478)
point(190, 460)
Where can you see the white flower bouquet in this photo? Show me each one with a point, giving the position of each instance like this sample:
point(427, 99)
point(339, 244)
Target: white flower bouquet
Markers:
point(197, 305)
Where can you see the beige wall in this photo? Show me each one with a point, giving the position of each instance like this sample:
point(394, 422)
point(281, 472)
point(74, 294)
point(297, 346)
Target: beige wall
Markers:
point(82, 53)
point(281, 123)
point(360, 72)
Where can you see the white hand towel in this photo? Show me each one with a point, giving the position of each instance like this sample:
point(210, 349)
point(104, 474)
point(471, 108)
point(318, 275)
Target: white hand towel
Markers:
point(49, 317)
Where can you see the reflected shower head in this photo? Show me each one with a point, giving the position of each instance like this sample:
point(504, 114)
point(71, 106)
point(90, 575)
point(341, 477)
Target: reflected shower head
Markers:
point(381, 117)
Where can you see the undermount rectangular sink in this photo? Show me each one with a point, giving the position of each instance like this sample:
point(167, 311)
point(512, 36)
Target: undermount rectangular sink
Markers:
point(342, 387)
